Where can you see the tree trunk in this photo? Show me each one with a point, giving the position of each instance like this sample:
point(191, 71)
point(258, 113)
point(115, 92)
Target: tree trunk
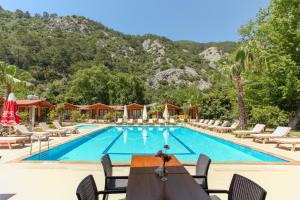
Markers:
point(241, 103)
point(7, 91)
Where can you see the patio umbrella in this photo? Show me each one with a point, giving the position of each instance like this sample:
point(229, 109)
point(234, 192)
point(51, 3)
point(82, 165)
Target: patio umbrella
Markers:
point(145, 113)
point(10, 115)
point(166, 113)
point(125, 114)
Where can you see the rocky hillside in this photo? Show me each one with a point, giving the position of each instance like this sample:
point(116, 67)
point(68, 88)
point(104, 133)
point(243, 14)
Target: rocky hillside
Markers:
point(52, 48)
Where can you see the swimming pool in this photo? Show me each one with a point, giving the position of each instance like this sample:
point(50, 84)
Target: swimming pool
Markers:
point(86, 127)
point(123, 141)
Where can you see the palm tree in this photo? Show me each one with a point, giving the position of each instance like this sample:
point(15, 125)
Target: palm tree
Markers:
point(239, 62)
point(195, 100)
point(7, 73)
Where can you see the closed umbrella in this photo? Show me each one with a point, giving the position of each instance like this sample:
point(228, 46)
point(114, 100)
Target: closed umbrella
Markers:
point(166, 113)
point(10, 115)
point(145, 113)
point(125, 114)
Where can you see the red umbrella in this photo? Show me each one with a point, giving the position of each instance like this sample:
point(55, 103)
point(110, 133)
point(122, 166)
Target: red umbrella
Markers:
point(10, 115)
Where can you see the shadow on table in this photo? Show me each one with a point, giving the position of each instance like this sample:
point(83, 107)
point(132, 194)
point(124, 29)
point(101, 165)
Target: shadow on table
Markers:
point(6, 196)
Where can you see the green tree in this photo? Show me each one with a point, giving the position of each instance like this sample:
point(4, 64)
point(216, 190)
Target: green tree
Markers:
point(238, 63)
point(90, 86)
point(7, 73)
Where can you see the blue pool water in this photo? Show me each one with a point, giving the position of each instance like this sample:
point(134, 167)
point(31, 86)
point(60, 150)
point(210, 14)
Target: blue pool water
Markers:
point(86, 127)
point(122, 142)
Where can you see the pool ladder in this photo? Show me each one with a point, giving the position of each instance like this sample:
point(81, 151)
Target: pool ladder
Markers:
point(39, 138)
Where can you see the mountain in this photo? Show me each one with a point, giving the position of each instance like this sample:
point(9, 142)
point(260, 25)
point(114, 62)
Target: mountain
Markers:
point(53, 47)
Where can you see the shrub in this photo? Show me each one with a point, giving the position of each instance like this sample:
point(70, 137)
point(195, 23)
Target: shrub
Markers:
point(24, 118)
point(53, 115)
point(75, 115)
point(108, 116)
point(84, 117)
point(269, 115)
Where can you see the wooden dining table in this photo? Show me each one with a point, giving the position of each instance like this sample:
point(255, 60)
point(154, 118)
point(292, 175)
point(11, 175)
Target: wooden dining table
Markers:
point(144, 184)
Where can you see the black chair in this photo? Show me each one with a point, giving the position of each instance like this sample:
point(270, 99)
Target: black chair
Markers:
point(241, 188)
point(87, 190)
point(202, 167)
point(112, 182)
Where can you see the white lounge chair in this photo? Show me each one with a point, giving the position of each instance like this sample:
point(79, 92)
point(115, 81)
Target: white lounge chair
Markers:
point(161, 121)
point(217, 123)
point(140, 121)
point(130, 121)
point(202, 123)
point(208, 124)
point(69, 129)
point(289, 141)
point(1, 129)
point(224, 124)
point(233, 126)
point(92, 121)
point(258, 128)
point(54, 132)
point(280, 132)
point(9, 141)
point(150, 121)
point(21, 129)
point(172, 121)
point(119, 121)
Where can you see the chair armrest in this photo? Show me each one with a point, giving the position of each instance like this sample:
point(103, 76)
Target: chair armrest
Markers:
point(216, 191)
point(121, 165)
point(189, 165)
point(117, 177)
point(111, 192)
point(199, 176)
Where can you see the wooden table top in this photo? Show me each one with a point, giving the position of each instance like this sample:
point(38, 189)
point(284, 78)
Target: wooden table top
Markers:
point(152, 161)
point(144, 184)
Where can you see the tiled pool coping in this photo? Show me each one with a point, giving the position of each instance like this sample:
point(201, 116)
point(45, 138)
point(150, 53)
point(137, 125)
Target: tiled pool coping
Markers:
point(289, 160)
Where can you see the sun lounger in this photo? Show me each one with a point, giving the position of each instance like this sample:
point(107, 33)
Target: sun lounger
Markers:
point(224, 124)
point(210, 122)
point(21, 129)
point(8, 141)
point(1, 129)
point(258, 128)
point(119, 121)
point(280, 132)
point(202, 123)
point(161, 121)
point(140, 121)
point(172, 121)
point(291, 141)
point(150, 122)
point(217, 123)
point(130, 121)
point(92, 121)
point(54, 132)
point(222, 129)
point(69, 129)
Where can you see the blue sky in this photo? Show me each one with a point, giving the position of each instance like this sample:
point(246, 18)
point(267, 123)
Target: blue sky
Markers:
point(197, 20)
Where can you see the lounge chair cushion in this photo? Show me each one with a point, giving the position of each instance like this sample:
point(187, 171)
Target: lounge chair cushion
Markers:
point(12, 139)
point(287, 140)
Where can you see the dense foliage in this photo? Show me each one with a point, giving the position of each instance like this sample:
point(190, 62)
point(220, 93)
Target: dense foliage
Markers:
point(73, 59)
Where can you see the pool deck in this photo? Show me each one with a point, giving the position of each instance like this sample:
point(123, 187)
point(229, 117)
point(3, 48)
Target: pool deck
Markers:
point(58, 180)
